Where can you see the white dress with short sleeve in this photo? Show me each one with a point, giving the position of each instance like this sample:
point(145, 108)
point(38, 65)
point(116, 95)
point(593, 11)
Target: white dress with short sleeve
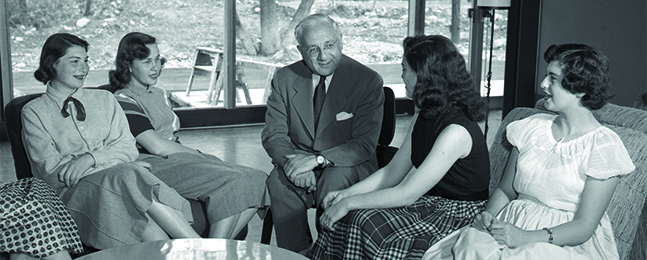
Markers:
point(550, 178)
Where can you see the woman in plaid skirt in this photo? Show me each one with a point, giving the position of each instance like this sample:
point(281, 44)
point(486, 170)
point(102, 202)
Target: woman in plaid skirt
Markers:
point(437, 181)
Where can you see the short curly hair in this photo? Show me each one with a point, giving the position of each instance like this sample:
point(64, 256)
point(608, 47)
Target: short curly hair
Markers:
point(132, 46)
point(443, 82)
point(585, 70)
point(54, 48)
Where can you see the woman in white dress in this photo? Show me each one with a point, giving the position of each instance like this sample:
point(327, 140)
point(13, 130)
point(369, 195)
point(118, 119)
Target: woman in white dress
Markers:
point(561, 174)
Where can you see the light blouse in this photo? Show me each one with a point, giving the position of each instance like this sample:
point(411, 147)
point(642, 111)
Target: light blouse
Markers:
point(554, 171)
point(51, 140)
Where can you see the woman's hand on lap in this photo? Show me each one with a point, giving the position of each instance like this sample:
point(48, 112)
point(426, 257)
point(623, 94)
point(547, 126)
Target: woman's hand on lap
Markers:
point(74, 170)
point(483, 221)
point(333, 214)
point(331, 198)
point(508, 234)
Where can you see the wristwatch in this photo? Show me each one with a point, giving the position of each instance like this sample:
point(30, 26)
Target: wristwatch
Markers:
point(321, 160)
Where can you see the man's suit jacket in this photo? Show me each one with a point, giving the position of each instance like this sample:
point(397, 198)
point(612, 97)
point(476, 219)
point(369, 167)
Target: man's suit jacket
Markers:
point(350, 119)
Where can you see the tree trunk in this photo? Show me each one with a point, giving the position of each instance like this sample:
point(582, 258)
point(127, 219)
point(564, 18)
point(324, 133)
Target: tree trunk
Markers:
point(455, 27)
point(88, 8)
point(288, 42)
point(244, 37)
point(22, 17)
point(269, 28)
point(22, 4)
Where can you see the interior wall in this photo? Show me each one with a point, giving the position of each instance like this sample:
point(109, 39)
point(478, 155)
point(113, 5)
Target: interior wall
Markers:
point(618, 28)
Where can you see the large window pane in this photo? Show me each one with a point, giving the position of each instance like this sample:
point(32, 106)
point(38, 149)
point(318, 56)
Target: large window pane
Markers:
point(494, 47)
point(176, 24)
point(373, 33)
point(452, 19)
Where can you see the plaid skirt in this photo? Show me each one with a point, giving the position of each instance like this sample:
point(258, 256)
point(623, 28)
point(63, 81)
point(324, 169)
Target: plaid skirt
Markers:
point(34, 221)
point(109, 206)
point(394, 233)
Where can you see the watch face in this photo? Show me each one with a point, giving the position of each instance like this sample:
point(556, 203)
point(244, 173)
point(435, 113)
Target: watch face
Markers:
point(320, 159)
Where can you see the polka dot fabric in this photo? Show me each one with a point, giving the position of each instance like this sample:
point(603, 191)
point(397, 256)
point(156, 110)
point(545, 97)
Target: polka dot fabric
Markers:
point(34, 221)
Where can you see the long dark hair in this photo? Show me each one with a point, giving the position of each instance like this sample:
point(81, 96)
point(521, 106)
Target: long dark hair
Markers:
point(585, 70)
point(132, 46)
point(443, 83)
point(54, 48)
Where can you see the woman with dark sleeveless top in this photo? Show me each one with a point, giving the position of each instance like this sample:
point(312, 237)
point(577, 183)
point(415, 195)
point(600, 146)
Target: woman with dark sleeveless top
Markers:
point(437, 181)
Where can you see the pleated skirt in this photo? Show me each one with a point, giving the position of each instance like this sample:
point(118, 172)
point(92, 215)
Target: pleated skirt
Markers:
point(109, 206)
point(226, 188)
point(395, 233)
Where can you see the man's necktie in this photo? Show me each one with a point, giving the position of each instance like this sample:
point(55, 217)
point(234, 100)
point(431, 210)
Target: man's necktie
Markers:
point(318, 99)
point(80, 110)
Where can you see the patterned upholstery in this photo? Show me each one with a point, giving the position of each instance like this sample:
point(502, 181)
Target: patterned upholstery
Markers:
point(628, 202)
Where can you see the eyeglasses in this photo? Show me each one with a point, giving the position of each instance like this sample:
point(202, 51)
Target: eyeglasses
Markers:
point(314, 51)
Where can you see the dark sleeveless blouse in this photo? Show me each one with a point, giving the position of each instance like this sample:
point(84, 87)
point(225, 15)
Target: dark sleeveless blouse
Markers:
point(469, 177)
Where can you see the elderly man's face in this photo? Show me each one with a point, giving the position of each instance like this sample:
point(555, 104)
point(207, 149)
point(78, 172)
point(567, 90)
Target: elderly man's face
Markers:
point(321, 50)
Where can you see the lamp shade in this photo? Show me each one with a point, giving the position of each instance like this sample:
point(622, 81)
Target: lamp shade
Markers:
point(494, 3)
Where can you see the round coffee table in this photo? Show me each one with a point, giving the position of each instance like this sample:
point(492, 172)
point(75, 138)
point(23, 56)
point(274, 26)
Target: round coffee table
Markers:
point(207, 248)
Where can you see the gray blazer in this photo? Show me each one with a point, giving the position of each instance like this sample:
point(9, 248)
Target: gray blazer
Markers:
point(350, 122)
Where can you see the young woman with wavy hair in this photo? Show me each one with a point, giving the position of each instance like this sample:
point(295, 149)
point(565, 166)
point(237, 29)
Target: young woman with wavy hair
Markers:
point(562, 172)
point(232, 193)
point(437, 181)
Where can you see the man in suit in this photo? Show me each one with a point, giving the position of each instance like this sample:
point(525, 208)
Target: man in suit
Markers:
point(321, 128)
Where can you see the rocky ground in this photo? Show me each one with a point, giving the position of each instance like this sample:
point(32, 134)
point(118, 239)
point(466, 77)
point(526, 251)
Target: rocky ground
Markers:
point(373, 30)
